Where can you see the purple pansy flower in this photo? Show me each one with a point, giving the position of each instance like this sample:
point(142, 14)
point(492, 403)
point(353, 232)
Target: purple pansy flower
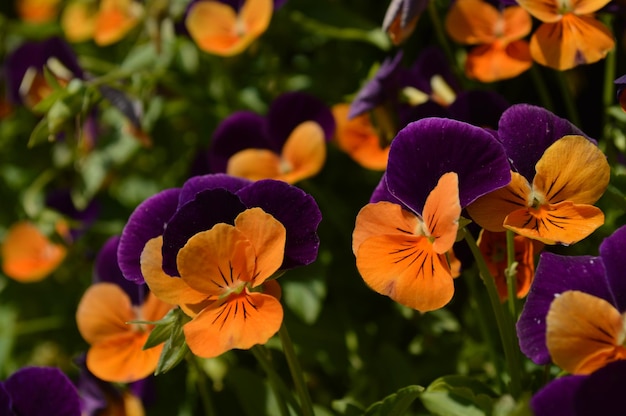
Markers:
point(179, 213)
point(107, 269)
point(39, 391)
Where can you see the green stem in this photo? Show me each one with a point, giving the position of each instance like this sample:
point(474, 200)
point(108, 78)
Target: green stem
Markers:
point(39, 325)
point(442, 39)
point(503, 320)
point(202, 386)
point(296, 372)
point(511, 273)
point(541, 88)
point(568, 99)
point(281, 391)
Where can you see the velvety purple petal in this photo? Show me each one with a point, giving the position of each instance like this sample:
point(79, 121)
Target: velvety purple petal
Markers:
point(107, 269)
point(293, 108)
point(526, 131)
point(383, 86)
point(42, 391)
point(557, 397)
point(381, 193)
point(296, 210)
point(215, 181)
point(208, 208)
point(146, 222)
point(556, 274)
point(426, 149)
point(613, 252)
point(5, 402)
point(36, 55)
point(94, 393)
point(430, 62)
point(620, 84)
point(602, 392)
point(479, 107)
point(407, 10)
point(279, 3)
point(241, 130)
point(61, 201)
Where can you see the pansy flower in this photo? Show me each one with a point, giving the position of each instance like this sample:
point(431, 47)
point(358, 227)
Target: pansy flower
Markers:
point(210, 247)
point(436, 167)
point(105, 316)
point(570, 35)
point(401, 17)
point(37, 11)
point(573, 315)
point(501, 53)
point(39, 391)
point(288, 144)
point(227, 27)
point(553, 204)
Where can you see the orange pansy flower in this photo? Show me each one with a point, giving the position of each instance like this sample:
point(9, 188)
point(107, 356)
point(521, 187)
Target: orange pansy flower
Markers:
point(402, 255)
point(501, 54)
point(584, 332)
point(37, 11)
point(222, 271)
point(104, 317)
point(571, 175)
point(357, 137)
point(28, 255)
point(570, 35)
point(219, 29)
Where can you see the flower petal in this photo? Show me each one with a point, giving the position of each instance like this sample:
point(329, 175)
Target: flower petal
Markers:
point(546, 11)
point(304, 152)
point(115, 19)
point(612, 253)
point(78, 21)
point(442, 211)
point(495, 62)
point(473, 22)
point(255, 164)
point(107, 269)
point(239, 321)
point(584, 332)
point(557, 397)
point(193, 186)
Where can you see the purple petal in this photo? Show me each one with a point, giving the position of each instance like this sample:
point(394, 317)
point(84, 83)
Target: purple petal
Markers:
point(293, 108)
point(278, 4)
point(107, 269)
point(479, 107)
point(42, 391)
point(601, 393)
point(5, 401)
point(241, 130)
point(557, 397)
point(430, 62)
point(61, 201)
point(613, 251)
point(146, 222)
point(208, 208)
point(296, 210)
point(381, 193)
point(526, 131)
point(426, 149)
point(197, 184)
point(556, 274)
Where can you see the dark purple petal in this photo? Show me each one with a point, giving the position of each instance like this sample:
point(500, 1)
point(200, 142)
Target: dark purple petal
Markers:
point(556, 274)
point(279, 3)
point(241, 130)
point(479, 107)
point(526, 131)
point(36, 55)
point(602, 392)
point(208, 208)
point(620, 83)
point(381, 193)
point(5, 402)
point(146, 222)
point(94, 393)
point(385, 85)
point(426, 149)
point(293, 108)
point(557, 397)
point(296, 210)
point(42, 391)
point(61, 201)
point(197, 184)
point(612, 252)
point(107, 269)
point(430, 62)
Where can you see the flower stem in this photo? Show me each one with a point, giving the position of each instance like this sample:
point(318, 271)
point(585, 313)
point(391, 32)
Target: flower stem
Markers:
point(503, 320)
point(568, 99)
point(511, 273)
point(442, 38)
point(202, 387)
point(541, 88)
point(296, 372)
point(281, 391)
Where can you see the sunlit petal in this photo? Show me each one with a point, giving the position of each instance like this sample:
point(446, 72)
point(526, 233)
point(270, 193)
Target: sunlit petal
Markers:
point(497, 61)
point(544, 10)
point(103, 312)
point(78, 21)
point(442, 211)
point(255, 164)
point(115, 19)
point(472, 22)
point(304, 152)
point(588, 6)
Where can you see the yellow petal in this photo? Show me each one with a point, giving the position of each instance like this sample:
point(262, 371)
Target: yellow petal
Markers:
point(572, 169)
point(78, 21)
point(442, 210)
point(304, 152)
point(584, 332)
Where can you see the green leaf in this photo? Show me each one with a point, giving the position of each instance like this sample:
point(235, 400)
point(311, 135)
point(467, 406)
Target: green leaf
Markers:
point(458, 395)
point(162, 329)
point(304, 291)
point(395, 404)
point(175, 348)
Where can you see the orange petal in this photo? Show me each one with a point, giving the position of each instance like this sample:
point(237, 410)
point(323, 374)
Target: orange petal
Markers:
point(584, 332)
point(572, 41)
point(103, 313)
point(153, 308)
point(254, 164)
point(496, 61)
point(407, 269)
point(442, 210)
point(216, 28)
point(545, 10)
point(267, 236)
point(563, 223)
point(172, 290)
point(37, 11)
point(588, 6)
point(239, 321)
point(28, 255)
point(383, 218)
point(217, 261)
point(115, 19)
point(473, 22)
point(399, 33)
point(121, 359)
point(490, 211)
point(358, 139)
point(78, 21)
point(572, 169)
point(304, 152)
point(517, 23)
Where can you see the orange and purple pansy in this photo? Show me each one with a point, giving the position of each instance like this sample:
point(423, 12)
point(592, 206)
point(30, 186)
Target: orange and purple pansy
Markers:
point(573, 315)
point(288, 144)
point(401, 18)
point(211, 247)
point(39, 391)
point(558, 173)
point(402, 238)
